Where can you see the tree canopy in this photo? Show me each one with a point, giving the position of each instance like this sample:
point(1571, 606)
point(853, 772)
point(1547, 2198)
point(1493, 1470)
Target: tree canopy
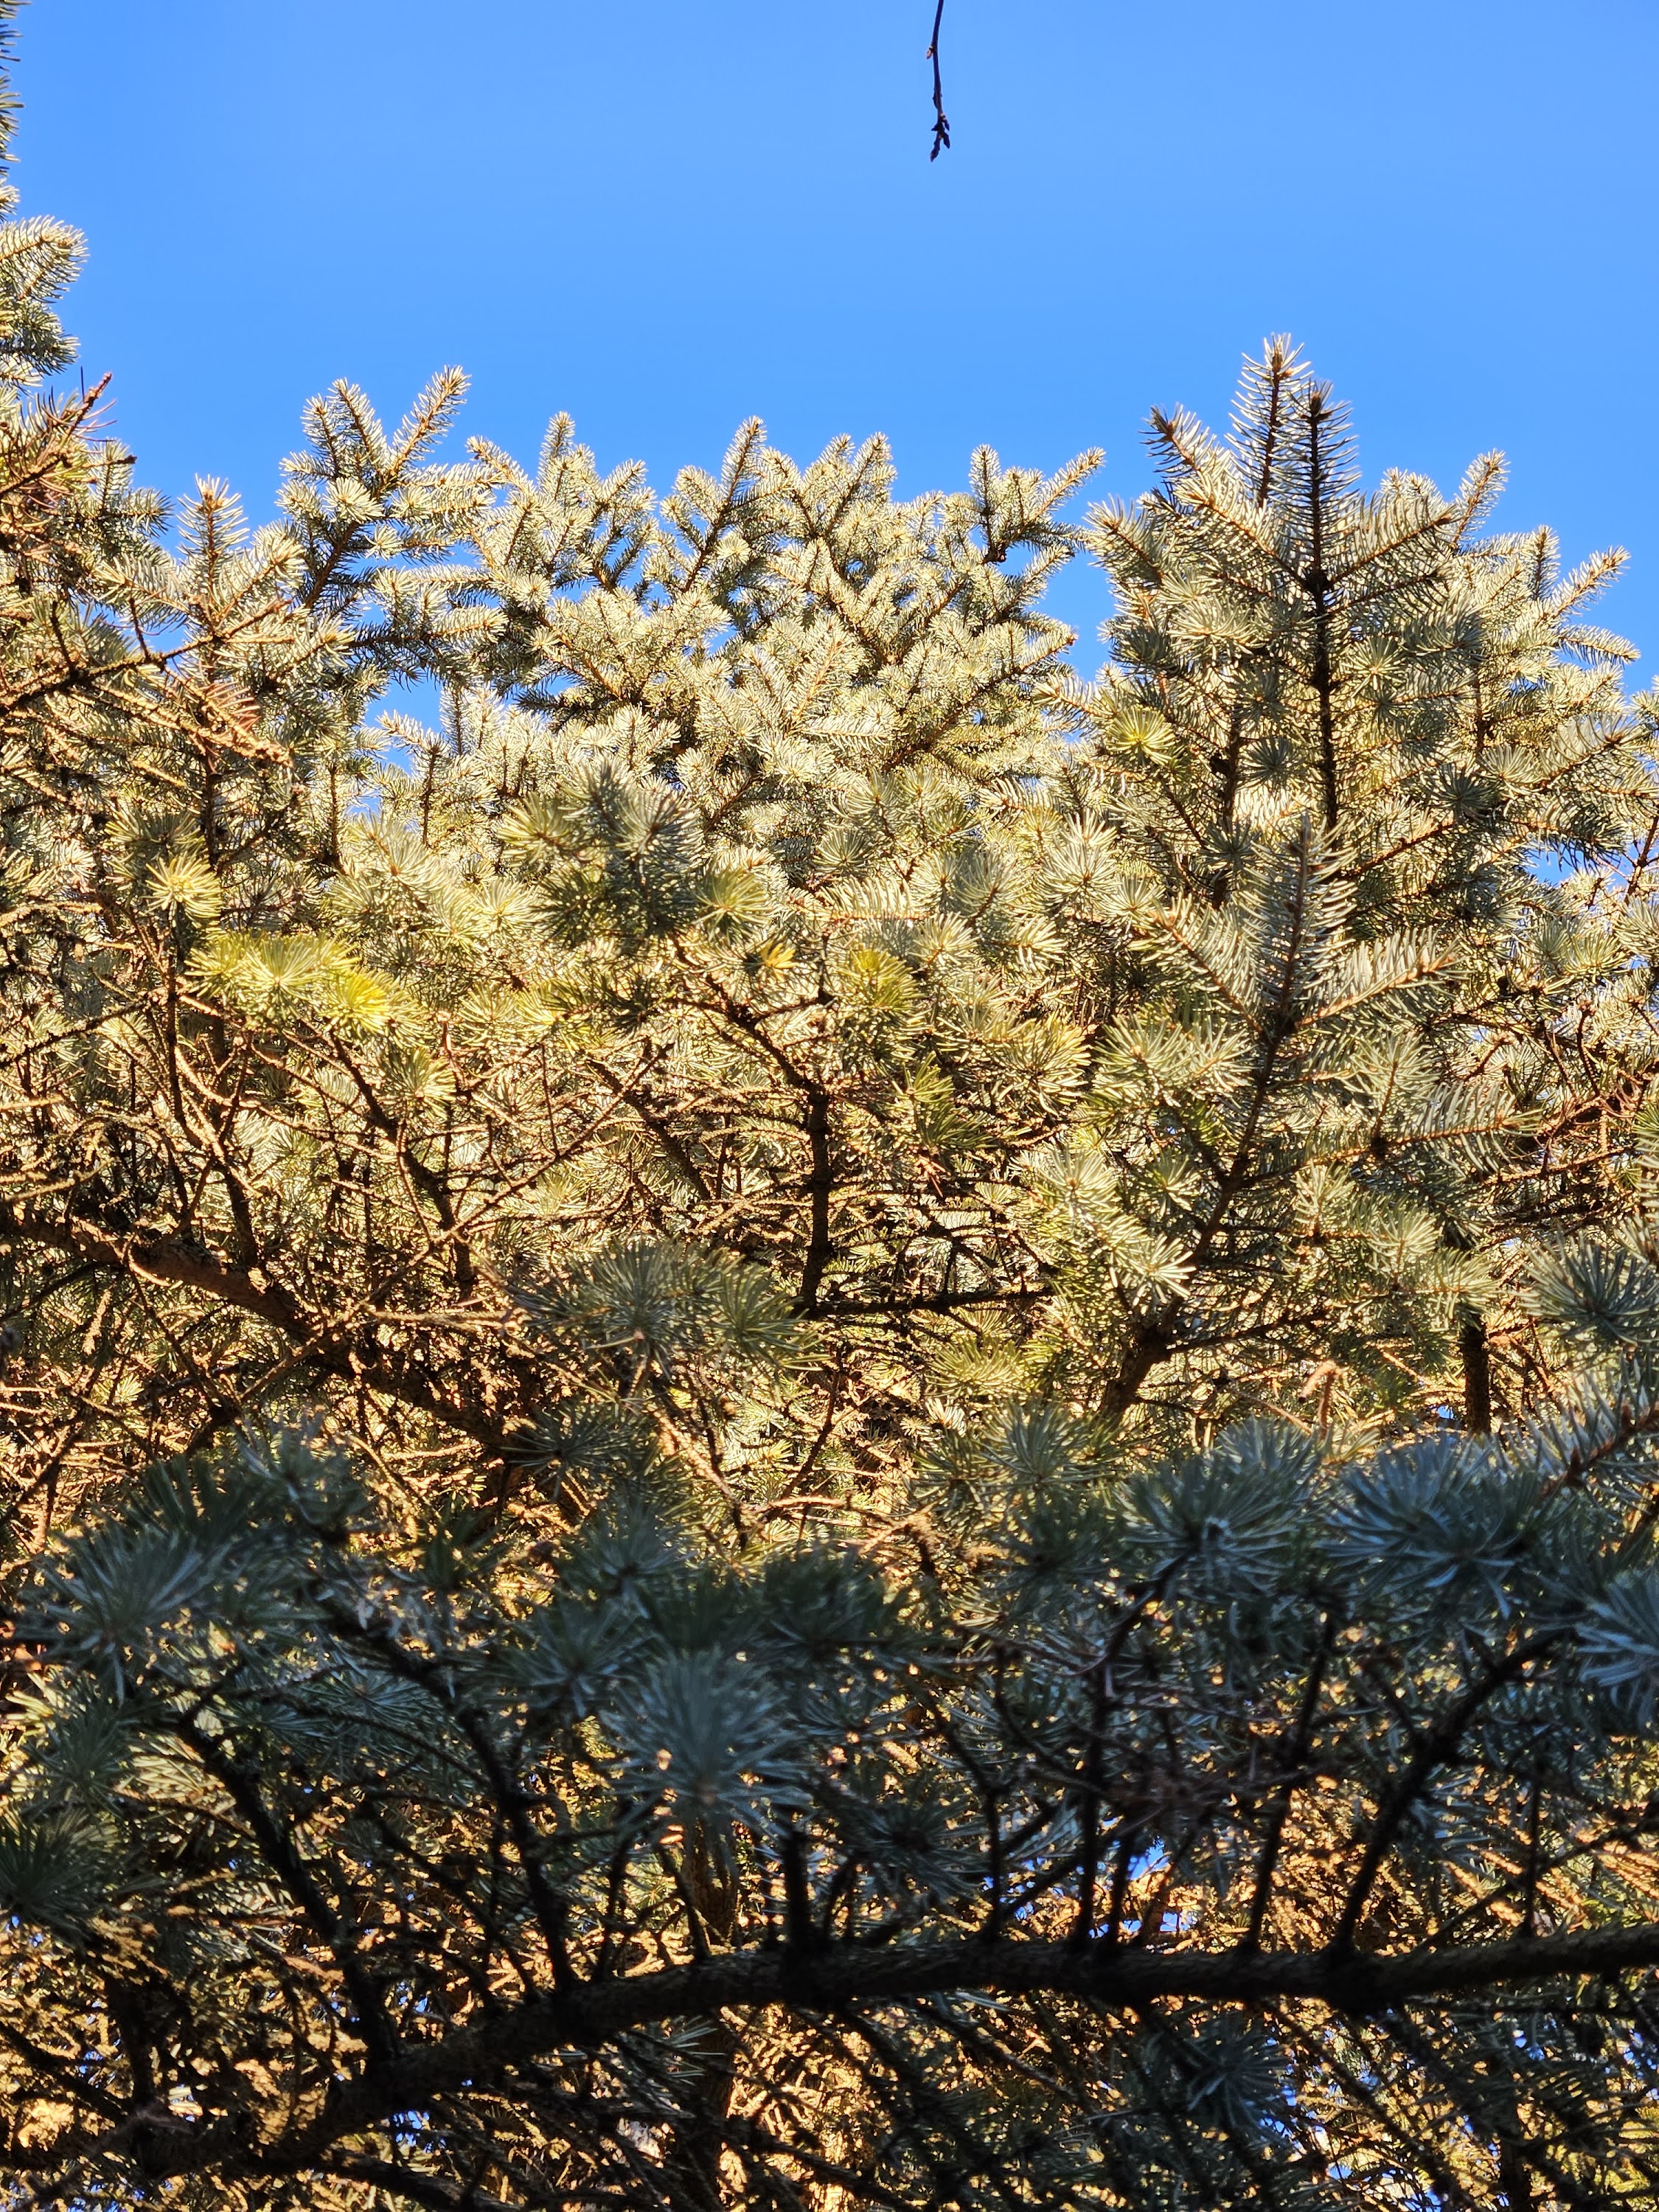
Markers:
point(793, 1415)
point(778, 963)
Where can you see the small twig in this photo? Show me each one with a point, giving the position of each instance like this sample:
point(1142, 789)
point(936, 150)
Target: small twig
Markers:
point(941, 121)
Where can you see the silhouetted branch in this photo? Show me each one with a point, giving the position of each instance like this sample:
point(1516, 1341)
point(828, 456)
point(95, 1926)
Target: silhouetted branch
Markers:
point(1354, 1983)
point(941, 121)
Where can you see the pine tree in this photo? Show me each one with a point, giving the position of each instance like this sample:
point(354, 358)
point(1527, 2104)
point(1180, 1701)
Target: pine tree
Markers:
point(804, 1420)
point(775, 957)
point(1259, 1828)
point(1381, 828)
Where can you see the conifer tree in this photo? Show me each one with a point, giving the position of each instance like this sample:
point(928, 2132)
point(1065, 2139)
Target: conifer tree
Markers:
point(1381, 828)
point(804, 1420)
point(776, 963)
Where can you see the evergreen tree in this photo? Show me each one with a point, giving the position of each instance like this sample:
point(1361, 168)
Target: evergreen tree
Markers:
point(1261, 1827)
point(1381, 831)
point(776, 964)
point(804, 1420)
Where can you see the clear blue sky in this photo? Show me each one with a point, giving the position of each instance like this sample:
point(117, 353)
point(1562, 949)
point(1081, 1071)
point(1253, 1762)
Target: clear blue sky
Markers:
point(664, 217)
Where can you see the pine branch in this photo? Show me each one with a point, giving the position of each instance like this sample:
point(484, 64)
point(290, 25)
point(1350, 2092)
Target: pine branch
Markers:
point(283, 1856)
point(1437, 1745)
point(1359, 1985)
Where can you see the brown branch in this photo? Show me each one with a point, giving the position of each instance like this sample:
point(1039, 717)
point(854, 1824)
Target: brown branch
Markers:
point(352, 1357)
point(819, 1184)
point(1476, 1356)
point(931, 1302)
point(828, 1978)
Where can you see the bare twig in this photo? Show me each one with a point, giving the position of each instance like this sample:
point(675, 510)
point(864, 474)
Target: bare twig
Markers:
point(941, 121)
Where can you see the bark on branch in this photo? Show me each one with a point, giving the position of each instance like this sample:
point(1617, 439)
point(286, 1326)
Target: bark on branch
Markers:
point(825, 1979)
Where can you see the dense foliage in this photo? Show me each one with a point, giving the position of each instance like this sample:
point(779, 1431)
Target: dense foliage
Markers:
point(1258, 1830)
point(779, 998)
point(791, 1416)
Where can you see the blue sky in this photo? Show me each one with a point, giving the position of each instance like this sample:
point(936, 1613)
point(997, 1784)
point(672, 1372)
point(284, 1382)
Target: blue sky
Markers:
point(666, 217)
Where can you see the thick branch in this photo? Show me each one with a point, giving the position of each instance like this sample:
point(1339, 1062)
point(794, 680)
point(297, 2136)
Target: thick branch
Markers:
point(350, 1357)
point(1109, 1975)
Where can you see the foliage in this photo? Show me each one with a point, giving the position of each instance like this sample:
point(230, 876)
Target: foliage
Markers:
point(1227, 1036)
point(1253, 1828)
point(793, 1416)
